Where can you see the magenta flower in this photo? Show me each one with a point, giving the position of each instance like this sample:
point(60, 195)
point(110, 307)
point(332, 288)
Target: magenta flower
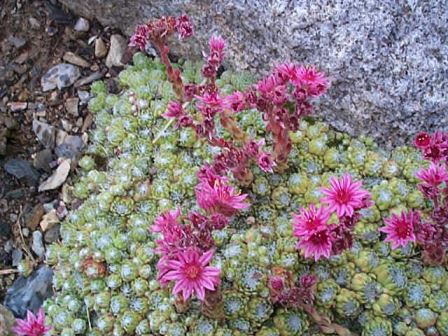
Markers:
point(265, 162)
point(140, 37)
point(210, 103)
point(216, 45)
point(166, 220)
point(252, 147)
point(184, 27)
point(192, 274)
point(32, 326)
point(314, 81)
point(310, 221)
point(173, 233)
point(285, 72)
point(434, 176)
point(318, 244)
point(214, 195)
point(345, 196)
point(236, 101)
point(267, 85)
point(437, 149)
point(400, 228)
point(174, 110)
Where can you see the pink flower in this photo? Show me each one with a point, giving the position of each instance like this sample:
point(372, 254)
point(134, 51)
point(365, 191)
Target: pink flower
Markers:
point(214, 195)
point(252, 147)
point(184, 27)
point(434, 176)
point(437, 149)
point(267, 85)
point(265, 162)
point(140, 37)
point(345, 196)
point(32, 326)
point(314, 81)
point(165, 221)
point(285, 72)
point(276, 283)
point(318, 244)
point(310, 220)
point(216, 45)
point(192, 274)
point(236, 101)
point(211, 101)
point(174, 110)
point(400, 228)
point(173, 233)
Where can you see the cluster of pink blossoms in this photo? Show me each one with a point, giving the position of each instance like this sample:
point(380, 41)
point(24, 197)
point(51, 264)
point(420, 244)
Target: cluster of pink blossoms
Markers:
point(186, 245)
point(160, 30)
point(431, 233)
point(33, 325)
point(283, 98)
point(317, 237)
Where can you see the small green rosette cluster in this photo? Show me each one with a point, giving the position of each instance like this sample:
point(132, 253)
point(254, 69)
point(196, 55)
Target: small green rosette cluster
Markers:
point(138, 166)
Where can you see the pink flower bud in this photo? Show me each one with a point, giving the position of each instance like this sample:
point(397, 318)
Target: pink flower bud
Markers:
point(265, 162)
point(184, 27)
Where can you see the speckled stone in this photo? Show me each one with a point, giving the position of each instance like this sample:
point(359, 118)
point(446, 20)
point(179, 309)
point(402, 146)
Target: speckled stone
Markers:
point(60, 76)
point(388, 60)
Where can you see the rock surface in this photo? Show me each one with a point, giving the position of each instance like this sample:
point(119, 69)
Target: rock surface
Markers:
point(29, 293)
point(388, 62)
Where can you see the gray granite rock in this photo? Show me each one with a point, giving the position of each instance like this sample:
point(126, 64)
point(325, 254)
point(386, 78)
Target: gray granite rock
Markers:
point(29, 293)
point(388, 60)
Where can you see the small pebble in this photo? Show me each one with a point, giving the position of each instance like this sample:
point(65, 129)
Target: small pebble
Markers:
point(26, 232)
point(82, 25)
point(38, 245)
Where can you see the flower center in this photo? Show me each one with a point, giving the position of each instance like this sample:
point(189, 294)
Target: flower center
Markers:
point(403, 230)
point(319, 238)
point(312, 223)
point(192, 271)
point(343, 196)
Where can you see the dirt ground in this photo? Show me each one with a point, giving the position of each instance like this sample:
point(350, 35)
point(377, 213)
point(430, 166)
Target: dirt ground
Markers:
point(34, 36)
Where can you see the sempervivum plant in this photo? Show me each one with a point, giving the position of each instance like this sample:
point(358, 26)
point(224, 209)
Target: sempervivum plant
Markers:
point(214, 205)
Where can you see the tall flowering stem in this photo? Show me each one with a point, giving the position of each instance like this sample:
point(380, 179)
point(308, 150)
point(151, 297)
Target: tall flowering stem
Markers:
point(283, 98)
point(157, 32)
